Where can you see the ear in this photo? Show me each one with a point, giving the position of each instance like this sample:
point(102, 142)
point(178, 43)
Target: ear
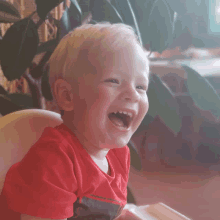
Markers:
point(63, 94)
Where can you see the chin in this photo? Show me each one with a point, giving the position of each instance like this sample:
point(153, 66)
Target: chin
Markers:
point(122, 143)
point(116, 140)
point(111, 144)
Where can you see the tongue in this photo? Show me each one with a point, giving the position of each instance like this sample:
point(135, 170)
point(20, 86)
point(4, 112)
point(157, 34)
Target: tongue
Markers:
point(116, 121)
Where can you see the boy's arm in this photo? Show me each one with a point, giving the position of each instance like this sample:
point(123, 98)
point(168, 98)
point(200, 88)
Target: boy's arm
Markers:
point(28, 217)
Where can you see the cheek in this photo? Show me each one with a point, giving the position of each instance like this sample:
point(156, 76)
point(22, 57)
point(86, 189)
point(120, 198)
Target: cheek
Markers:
point(104, 98)
point(144, 107)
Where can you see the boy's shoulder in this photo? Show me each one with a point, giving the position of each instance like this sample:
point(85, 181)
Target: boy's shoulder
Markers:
point(58, 133)
point(58, 137)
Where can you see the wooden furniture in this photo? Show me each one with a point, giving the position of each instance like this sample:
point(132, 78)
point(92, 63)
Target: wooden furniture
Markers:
point(158, 211)
point(195, 195)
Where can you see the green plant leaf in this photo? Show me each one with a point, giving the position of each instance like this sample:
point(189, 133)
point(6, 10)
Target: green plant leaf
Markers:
point(154, 105)
point(71, 18)
point(93, 22)
point(135, 157)
point(25, 101)
point(130, 197)
point(7, 18)
point(189, 20)
point(102, 10)
point(37, 71)
point(45, 85)
point(3, 91)
point(179, 27)
point(45, 6)
point(8, 12)
point(19, 44)
point(9, 8)
point(47, 46)
point(202, 92)
point(186, 6)
point(181, 36)
point(160, 26)
point(145, 123)
point(142, 9)
point(84, 5)
point(7, 106)
point(168, 109)
point(178, 6)
point(125, 9)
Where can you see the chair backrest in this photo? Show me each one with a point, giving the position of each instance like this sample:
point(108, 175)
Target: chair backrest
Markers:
point(18, 132)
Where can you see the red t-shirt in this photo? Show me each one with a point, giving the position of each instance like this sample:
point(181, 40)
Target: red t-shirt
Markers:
point(57, 179)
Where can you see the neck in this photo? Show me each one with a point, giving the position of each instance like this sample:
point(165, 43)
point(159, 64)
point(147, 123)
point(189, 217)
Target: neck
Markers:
point(95, 151)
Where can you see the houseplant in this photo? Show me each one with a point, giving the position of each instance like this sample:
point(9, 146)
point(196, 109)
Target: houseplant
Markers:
point(158, 24)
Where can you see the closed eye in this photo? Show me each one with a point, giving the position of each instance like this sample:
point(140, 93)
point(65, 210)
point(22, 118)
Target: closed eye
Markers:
point(112, 81)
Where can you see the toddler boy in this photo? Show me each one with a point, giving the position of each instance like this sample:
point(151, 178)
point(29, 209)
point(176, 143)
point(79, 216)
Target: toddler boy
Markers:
point(79, 169)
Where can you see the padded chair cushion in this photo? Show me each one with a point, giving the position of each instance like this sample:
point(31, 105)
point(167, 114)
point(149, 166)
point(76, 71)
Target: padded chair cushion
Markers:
point(18, 132)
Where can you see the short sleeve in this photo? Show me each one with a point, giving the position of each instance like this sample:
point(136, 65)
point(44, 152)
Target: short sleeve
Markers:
point(43, 183)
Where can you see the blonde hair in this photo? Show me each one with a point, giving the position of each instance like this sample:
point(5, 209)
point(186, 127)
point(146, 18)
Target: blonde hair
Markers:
point(80, 50)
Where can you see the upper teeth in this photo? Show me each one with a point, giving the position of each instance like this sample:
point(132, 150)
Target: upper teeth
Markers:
point(124, 112)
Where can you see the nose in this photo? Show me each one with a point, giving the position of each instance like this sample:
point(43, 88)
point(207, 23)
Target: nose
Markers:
point(130, 94)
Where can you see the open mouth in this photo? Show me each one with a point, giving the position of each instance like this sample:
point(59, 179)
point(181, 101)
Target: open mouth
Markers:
point(120, 119)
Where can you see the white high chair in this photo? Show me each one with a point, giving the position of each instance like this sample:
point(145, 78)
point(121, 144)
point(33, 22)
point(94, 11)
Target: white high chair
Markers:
point(18, 132)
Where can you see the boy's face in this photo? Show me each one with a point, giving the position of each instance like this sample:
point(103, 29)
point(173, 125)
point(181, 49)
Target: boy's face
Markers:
point(110, 105)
